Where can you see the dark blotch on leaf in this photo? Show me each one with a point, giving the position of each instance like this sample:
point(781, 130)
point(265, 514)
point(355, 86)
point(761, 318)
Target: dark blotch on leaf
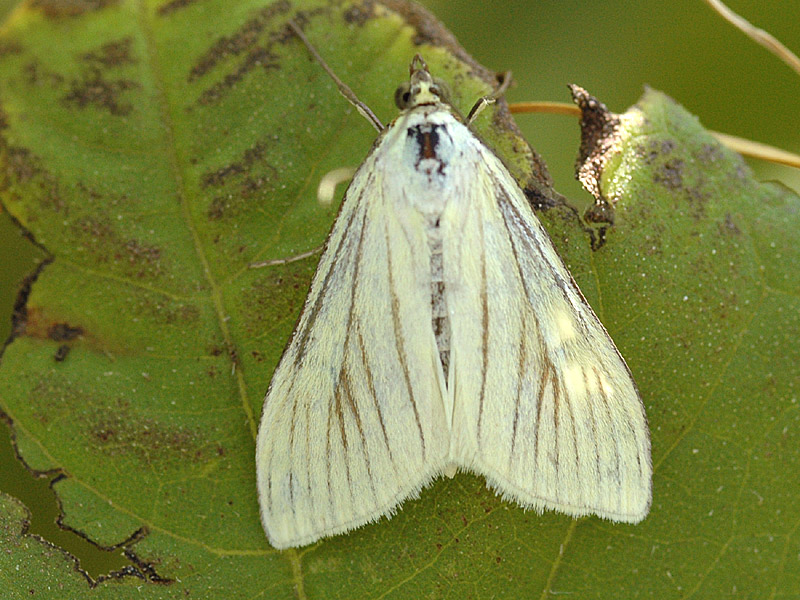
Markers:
point(148, 439)
point(138, 251)
point(256, 58)
point(252, 155)
point(23, 168)
point(360, 14)
point(247, 41)
point(94, 90)
point(61, 353)
point(729, 226)
point(63, 332)
point(111, 54)
point(171, 7)
point(10, 47)
point(670, 174)
point(70, 8)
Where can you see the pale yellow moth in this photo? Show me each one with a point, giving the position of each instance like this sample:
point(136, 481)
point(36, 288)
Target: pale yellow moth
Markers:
point(443, 332)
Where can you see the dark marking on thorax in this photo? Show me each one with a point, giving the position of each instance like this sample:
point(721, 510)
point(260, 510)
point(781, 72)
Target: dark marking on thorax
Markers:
point(427, 141)
point(427, 138)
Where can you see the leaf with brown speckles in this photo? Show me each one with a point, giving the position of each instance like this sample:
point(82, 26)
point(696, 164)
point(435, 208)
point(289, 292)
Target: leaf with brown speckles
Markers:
point(163, 148)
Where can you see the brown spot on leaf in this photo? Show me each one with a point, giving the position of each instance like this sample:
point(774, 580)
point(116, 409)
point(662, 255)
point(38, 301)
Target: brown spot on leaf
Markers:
point(173, 6)
point(9, 47)
point(256, 58)
point(170, 313)
point(55, 9)
point(138, 251)
point(23, 168)
point(111, 54)
point(20, 165)
point(36, 75)
point(670, 174)
point(98, 236)
point(729, 227)
point(657, 149)
point(92, 89)
point(358, 14)
point(251, 155)
point(63, 332)
point(710, 153)
point(151, 440)
point(61, 353)
point(242, 41)
point(231, 203)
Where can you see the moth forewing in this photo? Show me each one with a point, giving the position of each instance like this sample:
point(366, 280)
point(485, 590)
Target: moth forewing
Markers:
point(545, 406)
point(353, 421)
point(442, 331)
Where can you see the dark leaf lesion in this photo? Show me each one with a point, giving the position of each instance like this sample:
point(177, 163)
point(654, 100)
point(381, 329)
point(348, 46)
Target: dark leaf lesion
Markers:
point(93, 89)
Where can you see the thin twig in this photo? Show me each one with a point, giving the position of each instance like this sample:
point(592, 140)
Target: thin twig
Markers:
point(758, 150)
point(757, 35)
point(551, 108)
point(737, 144)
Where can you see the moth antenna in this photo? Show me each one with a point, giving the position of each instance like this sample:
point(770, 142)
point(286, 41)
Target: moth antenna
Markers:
point(344, 90)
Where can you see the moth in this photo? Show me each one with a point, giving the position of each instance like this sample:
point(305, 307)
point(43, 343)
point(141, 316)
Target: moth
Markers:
point(442, 332)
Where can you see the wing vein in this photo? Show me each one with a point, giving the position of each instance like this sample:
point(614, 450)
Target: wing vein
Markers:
point(594, 428)
point(523, 359)
point(556, 406)
point(343, 433)
point(484, 336)
point(509, 211)
point(357, 416)
point(571, 415)
point(400, 342)
point(313, 310)
point(374, 396)
point(611, 420)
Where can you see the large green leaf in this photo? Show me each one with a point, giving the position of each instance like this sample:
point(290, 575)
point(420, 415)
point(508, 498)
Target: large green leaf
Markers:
point(166, 146)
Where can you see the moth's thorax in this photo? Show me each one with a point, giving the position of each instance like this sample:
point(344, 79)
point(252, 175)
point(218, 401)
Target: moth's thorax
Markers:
point(424, 147)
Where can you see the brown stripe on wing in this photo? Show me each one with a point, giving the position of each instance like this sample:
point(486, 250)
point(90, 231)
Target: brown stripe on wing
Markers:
point(337, 405)
point(400, 343)
point(374, 396)
point(484, 337)
point(594, 426)
point(351, 404)
point(313, 310)
point(610, 419)
point(523, 359)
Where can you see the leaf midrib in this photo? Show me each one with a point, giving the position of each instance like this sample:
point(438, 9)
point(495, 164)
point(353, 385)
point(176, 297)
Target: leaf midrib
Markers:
point(179, 176)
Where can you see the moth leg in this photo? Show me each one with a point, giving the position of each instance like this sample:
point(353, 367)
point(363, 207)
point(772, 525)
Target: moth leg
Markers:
point(489, 99)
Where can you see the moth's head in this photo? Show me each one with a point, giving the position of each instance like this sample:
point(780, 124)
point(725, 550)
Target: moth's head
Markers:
point(421, 89)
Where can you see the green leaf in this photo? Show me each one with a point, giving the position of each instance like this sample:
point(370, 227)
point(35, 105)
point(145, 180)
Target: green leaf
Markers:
point(165, 147)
